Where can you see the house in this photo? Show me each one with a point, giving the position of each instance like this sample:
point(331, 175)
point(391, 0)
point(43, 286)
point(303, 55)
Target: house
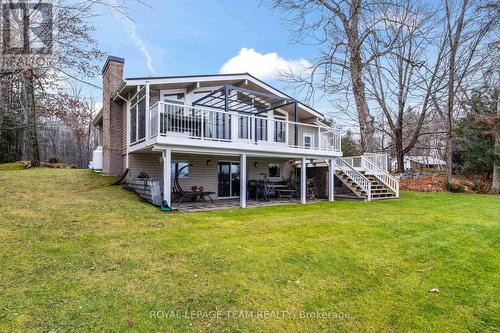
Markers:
point(420, 163)
point(213, 131)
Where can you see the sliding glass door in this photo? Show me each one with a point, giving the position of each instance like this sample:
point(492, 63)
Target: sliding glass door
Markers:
point(229, 179)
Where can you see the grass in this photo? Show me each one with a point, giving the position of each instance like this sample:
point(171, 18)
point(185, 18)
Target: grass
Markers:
point(11, 166)
point(80, 255)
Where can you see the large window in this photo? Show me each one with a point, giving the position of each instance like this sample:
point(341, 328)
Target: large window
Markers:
point(261, 128)
point(174, 98)
point(182, 166)
point(244, 127)
point(138, 116)
point(279, 131)
point(274, 169)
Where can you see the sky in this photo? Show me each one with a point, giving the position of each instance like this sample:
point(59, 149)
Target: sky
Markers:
point(202, 37)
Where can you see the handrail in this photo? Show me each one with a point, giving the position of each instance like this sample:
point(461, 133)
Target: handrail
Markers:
point(357, 177)
point(382, 175)
point(239, 114)
point(378, 159)
point(197, 122)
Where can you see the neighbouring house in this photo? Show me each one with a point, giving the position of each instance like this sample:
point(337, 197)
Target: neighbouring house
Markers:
point(421, 164)
point(223, 133)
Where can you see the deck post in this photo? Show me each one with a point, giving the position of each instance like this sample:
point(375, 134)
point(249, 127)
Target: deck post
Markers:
point(243, 180)
point(303, 180)
point(296, 125)
point(147, 114)
point(331, 179)
point(167, 177)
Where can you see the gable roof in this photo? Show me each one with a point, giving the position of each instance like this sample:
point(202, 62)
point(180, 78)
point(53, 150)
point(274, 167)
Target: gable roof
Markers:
point(132, 81)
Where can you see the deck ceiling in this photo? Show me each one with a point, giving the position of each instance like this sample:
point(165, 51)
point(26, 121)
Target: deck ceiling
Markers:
point(238, 99)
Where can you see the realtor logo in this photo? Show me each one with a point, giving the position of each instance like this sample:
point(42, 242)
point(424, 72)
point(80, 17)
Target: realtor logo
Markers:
point(27, 27)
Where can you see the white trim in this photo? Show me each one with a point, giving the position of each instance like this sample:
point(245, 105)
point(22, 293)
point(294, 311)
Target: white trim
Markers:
point(242, 76)
point(167, 179)
point(331, 180)
point(312, 136)
point(243, 180)
point(303, 181)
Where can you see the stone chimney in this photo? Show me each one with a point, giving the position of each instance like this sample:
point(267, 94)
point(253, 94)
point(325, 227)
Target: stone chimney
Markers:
point(112, 116)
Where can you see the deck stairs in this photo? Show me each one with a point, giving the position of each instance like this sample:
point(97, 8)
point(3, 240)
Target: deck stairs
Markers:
point(367, 177)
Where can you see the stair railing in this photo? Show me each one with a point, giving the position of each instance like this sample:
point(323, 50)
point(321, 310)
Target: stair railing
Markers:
point(358, 178)
point(382, 175)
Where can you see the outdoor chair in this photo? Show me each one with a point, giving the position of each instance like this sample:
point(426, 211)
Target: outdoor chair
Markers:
point(181, 195)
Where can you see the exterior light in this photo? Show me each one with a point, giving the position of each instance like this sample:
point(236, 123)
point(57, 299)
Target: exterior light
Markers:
point(256, 164)
point(209, 162)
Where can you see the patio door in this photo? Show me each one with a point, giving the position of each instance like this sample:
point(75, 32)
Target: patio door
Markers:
point(229, 179)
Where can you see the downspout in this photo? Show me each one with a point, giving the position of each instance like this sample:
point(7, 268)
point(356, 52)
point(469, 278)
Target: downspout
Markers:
point(127, 129)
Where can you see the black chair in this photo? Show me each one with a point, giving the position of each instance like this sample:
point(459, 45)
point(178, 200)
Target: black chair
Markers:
point(181, 195)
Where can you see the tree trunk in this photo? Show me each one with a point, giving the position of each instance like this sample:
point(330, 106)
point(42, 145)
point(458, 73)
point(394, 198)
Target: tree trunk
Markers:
point(366, 121)
point(32, 121)
point(400, 156)
point(496, 166)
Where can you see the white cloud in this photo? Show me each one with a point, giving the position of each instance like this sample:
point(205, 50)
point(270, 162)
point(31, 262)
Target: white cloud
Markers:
point(132, 31)
point(266, 66)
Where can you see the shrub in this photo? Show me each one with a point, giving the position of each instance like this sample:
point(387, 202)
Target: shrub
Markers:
point(480, 186)
point(455, 188)
point(54, 159)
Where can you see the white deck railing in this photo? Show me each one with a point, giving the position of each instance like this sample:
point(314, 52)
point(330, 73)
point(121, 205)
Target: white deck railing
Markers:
point(382, 175)
point(375, 165)
point(363, 182)
point(168, 119)
point(379, 160)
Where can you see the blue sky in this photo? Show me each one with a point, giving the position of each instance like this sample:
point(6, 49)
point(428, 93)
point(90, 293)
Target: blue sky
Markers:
point(195, 37)
point(199, 37)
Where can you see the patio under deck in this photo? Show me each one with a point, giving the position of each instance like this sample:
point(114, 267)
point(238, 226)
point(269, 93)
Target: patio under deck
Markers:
point(235, 204)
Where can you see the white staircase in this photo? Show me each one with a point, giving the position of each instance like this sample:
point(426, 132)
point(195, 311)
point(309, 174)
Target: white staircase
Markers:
point(367, 176)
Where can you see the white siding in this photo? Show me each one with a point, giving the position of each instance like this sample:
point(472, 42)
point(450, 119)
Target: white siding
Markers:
point(200, 174)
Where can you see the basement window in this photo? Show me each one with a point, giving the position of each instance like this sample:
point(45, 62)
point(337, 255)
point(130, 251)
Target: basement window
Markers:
point(274, 169)
point(176, 166)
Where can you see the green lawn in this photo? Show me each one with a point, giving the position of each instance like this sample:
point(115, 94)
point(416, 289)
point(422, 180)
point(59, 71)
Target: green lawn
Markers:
point(79, 255)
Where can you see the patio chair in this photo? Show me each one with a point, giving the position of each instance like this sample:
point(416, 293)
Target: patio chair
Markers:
point(181, 195)
point(312, 189)
point(288, 193)
point(264, 190)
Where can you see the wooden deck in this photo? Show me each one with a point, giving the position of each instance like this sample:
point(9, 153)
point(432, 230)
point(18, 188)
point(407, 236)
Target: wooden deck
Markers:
point(233, 204)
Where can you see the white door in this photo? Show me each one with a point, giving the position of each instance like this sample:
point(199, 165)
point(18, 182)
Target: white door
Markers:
point(308, 140)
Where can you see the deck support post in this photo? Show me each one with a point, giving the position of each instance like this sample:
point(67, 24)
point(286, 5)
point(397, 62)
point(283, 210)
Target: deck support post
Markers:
point(296, 125)
point(148, 114)
point(243, 180)
point(167, 177)
point(331, 179)
point(303, 180)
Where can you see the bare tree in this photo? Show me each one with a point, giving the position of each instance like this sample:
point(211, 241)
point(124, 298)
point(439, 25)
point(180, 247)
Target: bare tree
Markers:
point(403, 81)
point(341, 30)
point(35, 77)
point(468, 25)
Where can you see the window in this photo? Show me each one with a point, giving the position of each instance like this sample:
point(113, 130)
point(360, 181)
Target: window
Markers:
point(279, 131)
point(176, 166)
point(261, 128)
point(174, 98)
point(308, 140)
point(274, 169)
point(244, 127)
point(138, 116)
point(133, 124)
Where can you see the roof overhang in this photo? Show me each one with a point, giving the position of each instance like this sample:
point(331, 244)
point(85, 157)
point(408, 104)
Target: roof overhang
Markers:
point(98, 118)
point(200, 81)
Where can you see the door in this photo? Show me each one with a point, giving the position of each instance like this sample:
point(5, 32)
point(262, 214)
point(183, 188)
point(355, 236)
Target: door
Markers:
point(229, 179)
point(308, 140)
